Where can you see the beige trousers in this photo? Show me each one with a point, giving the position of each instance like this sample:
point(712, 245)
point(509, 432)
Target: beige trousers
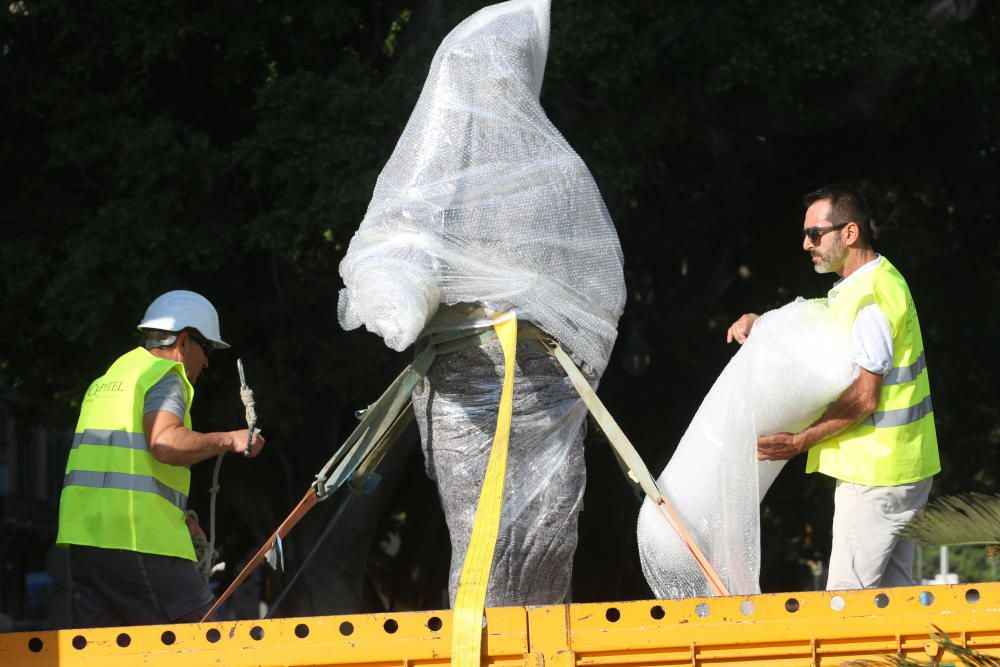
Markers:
point(867, 552)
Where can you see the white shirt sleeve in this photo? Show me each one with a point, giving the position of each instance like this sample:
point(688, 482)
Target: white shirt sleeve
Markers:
point(872, 339)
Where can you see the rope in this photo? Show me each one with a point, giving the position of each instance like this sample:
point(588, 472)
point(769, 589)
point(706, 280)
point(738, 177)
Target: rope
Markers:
point(206, 560)
point(246, 395)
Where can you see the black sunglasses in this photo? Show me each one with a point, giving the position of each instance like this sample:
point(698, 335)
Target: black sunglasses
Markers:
point(815, 234)
point(206, 346)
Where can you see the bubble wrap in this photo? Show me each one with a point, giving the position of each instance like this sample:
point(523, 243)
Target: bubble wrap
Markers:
point(456, 411)
point(483, 201)
point(793, 365)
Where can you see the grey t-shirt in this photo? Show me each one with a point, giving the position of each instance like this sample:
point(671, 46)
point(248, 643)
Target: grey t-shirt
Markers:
point(167, 395)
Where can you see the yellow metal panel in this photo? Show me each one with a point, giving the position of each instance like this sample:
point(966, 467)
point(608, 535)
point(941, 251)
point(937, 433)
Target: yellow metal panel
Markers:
point(549, 636)
point(787, 629)
point(374, 639)
point(782, 630)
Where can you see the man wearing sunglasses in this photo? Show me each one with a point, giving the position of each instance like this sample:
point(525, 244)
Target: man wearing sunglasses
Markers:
point(878, 438)
point(122, 513)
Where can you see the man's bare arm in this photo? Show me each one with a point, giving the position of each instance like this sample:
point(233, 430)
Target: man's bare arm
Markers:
point(855, 404)
point(170, 442)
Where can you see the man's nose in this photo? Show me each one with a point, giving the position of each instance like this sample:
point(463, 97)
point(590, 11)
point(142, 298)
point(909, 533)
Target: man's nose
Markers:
point(807, 244)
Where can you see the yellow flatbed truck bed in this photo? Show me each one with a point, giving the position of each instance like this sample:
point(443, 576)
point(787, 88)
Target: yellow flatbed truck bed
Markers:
point(814, 628)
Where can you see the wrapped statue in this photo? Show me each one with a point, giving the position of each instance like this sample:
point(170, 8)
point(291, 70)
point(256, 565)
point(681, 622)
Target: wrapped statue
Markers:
point(483, 208)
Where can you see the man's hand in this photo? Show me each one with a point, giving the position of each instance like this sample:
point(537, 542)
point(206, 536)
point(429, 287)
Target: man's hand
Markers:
point(239, 442)
point(778, 447)
point(191, 519)
point(856, 403)
point(740, 329)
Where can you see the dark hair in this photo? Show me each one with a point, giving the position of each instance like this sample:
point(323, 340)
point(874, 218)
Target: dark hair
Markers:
point(846, 205)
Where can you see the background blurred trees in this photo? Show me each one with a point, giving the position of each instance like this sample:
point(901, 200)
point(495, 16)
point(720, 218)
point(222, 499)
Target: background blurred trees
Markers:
point(231, 148)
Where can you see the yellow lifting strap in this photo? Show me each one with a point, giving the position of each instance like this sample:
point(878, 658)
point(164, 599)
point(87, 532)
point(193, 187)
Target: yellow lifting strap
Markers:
point(466, 641)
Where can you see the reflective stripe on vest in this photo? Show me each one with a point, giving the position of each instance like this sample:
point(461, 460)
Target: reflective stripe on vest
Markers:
point(901, 416)
point(125, 482)
point(905, 374)
point(104, 437)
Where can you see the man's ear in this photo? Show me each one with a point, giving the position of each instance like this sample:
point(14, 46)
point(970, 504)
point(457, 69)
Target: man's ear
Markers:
point(853, 233)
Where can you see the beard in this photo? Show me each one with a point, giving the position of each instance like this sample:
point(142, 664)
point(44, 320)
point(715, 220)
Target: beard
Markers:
point(830, 259)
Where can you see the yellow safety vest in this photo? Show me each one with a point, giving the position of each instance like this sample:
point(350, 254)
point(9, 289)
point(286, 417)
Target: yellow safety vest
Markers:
point(115, 494)
point(896, 444)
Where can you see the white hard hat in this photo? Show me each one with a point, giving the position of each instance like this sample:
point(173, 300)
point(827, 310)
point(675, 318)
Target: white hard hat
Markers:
point(181, 309)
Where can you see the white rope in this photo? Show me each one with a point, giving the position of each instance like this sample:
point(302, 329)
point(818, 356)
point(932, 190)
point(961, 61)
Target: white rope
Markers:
point(205, 551)
point(246, 395)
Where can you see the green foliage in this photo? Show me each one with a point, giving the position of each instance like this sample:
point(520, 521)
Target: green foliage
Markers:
point(971, 518)
point(160, 147)
point(966, 656)
point(970, 563)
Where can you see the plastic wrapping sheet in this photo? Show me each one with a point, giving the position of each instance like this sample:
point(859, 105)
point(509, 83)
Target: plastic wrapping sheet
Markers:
point(456, 411)
point(483, 201)
point(792, 366)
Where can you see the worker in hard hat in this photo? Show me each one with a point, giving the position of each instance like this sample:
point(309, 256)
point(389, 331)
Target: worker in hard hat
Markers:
point(122, 509)
point(878, 438)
